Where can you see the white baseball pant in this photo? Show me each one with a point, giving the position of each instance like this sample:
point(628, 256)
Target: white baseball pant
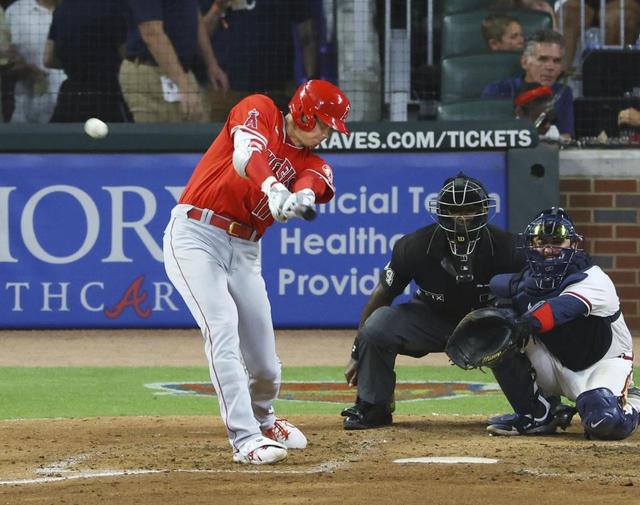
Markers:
point(613, 371)
point(220, 280)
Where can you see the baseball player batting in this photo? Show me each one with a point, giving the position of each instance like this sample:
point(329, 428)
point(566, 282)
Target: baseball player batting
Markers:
point(260, 168)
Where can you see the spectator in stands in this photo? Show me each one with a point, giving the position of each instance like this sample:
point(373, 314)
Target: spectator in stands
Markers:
point(535, 102)
point(85, 39)
point(5, 41)
point(163, 40)
point(263, 62)
point(502, 32)
point(629, 117)
point(571, 22)
point(541, 61)
point(36, 88)
point(536, 5)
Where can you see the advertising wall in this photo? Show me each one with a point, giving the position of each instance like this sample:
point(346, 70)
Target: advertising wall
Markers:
point(81, 236)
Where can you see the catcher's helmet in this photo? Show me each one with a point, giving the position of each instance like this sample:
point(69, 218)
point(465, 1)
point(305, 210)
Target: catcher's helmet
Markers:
point(551, 242)
point(318, 98)
point(462, 210)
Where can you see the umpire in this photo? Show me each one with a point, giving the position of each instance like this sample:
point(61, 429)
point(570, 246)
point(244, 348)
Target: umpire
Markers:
point(451, 263)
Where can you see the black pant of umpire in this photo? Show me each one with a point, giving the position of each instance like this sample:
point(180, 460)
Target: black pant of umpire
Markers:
point(408, 329)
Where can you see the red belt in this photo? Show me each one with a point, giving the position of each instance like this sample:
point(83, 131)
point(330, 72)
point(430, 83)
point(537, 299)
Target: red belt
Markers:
point(233, 228)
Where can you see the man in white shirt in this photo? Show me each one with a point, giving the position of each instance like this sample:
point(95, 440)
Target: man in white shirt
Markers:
point(36, 89)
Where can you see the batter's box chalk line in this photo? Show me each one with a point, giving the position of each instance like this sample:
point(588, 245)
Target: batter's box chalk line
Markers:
point(54, 470)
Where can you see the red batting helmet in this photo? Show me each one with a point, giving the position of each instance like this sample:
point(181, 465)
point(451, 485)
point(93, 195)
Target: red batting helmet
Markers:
point(322, 99)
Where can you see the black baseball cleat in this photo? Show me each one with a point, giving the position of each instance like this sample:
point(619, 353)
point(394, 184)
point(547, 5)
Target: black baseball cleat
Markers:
point(364, 416)
point(502, 418)
point(518, 424)
point(558, 409)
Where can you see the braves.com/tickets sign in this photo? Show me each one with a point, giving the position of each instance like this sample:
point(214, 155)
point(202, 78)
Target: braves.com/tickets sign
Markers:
point(81, 236)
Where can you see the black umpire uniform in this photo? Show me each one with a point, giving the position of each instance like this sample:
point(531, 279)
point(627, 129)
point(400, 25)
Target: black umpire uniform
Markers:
point(450, 284)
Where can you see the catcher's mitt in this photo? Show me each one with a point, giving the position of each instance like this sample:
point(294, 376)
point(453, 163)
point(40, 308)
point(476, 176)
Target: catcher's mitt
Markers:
point(485, 337)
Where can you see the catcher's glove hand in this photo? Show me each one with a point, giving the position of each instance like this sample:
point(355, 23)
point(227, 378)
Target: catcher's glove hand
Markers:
point(485, 337)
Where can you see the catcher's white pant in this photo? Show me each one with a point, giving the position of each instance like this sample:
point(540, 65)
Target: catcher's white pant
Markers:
point(220, 280)
point(613, 371)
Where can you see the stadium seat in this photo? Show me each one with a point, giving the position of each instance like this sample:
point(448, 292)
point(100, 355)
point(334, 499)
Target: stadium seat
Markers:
point(485, 109)
point(466, 76)
point(451, 6)
point(462, 33)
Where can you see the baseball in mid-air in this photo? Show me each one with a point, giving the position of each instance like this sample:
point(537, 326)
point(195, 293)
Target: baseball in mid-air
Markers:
point(96, 128)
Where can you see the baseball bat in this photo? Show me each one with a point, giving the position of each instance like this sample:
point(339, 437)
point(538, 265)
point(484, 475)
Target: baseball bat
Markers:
point(308, 213)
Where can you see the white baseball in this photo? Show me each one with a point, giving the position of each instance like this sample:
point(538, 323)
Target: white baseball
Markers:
point(96, 128)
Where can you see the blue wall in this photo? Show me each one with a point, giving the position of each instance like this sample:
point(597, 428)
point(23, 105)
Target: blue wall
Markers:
point(81, 236)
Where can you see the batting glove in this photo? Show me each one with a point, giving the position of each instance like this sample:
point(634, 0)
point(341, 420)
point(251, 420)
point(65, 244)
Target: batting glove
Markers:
point(278, 196)
point(298, 203)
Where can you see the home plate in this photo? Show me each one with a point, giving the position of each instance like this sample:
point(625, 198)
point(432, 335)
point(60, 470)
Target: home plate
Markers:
point(448, 460)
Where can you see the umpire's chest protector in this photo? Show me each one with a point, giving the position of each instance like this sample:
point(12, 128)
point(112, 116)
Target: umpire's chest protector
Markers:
point(435, 273)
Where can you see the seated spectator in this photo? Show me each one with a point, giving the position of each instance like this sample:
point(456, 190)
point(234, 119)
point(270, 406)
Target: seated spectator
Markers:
point(541, 62)
point(502, 32)
point(85, 39)
point(263, 62)
point(571, 22)
point(36, 89)
point(535, 103)
point(629, 117)
point(535, 5)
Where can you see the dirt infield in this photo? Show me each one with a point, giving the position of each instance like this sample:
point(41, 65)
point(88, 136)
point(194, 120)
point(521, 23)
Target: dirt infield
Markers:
point(187, 460)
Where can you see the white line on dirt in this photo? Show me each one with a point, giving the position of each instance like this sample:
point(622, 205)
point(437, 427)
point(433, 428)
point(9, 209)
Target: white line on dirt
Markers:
point(327, 466)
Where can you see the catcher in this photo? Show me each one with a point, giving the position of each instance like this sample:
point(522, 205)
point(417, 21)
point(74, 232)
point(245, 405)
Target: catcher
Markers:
point(568, 321)
point(451, 263)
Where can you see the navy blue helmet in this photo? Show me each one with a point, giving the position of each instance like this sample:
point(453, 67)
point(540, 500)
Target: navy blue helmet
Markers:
point(551, 242)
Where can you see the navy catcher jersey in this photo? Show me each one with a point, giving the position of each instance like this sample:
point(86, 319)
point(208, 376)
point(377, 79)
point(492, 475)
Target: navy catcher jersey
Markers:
point(578, 334)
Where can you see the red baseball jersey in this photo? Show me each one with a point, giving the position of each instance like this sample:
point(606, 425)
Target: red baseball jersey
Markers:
point(216, 185)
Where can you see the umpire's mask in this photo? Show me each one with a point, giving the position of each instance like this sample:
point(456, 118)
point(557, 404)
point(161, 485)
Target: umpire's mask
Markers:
point(462, 210)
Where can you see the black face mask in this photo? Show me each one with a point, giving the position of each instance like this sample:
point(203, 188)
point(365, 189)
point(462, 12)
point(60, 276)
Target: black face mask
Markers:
point(462, 210)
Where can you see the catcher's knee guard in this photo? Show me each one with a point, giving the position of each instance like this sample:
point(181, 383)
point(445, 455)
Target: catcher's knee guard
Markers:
point(603, 417)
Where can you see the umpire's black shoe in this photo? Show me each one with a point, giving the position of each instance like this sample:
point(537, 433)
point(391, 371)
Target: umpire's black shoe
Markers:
point(364, 416)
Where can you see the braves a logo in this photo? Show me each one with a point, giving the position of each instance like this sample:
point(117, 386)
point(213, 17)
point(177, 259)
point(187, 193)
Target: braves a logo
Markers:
point(132, 297)
point(252, 119)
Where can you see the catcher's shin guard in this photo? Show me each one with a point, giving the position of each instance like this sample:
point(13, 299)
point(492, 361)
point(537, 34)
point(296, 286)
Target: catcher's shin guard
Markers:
point(603, 416)
point(516, 379)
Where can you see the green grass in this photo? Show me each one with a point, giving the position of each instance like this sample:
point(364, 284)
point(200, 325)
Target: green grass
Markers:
point(41, 392)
